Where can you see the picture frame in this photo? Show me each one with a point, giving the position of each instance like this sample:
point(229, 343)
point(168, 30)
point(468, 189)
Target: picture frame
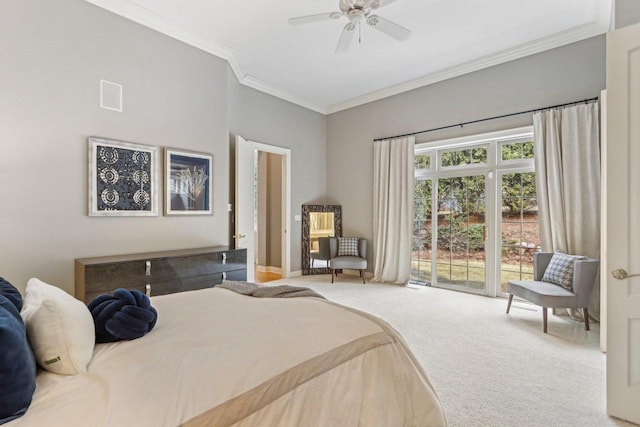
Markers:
point(188, 188)
point(123, 178)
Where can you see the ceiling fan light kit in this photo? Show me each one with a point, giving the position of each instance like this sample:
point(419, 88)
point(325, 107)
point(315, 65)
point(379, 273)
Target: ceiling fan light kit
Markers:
point(358, 11)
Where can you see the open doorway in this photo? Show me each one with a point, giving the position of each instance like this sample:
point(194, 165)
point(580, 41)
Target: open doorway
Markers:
point(262, 208)
point(268, 210)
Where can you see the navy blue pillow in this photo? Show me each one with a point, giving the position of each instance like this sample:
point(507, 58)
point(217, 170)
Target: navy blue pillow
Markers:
point(17, 364)
point(126, 315)
point(12, 294)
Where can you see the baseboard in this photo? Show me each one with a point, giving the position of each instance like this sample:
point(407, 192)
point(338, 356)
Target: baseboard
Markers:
point(296, 273)
point(268, 269)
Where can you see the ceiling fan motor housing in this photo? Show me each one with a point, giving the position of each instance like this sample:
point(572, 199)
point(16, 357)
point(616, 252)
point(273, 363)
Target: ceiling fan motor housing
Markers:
point(366, 6)
point(357, 11)
point(356, 16)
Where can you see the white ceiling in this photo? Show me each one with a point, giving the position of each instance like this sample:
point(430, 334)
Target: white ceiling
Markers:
point(298, 63)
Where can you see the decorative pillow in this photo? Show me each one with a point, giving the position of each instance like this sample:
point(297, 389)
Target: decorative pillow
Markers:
point(12, 294)
point(348, 246)
point(17, 365)
point(560, 270)
point(126, 315)
point(59, 327)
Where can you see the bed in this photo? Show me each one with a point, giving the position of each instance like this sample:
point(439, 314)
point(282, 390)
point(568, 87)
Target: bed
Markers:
point(219, 358)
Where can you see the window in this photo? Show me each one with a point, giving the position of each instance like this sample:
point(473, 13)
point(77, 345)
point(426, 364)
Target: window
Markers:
point(517, 150)
point(469, 156)
point(475, 212)
point(422, 162)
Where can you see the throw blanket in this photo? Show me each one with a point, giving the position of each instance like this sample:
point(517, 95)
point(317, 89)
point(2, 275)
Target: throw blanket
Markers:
point(261, 291)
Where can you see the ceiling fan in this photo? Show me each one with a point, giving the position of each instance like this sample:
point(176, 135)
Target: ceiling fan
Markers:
point(357, 11)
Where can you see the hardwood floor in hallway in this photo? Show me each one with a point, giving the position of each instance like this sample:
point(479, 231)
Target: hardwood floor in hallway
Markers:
point(263, 277)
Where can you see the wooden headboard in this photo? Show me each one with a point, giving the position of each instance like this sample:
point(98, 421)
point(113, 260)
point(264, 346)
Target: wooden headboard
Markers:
point(158, 273)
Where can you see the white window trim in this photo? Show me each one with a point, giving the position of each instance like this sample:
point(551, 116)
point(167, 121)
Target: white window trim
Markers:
point(501, 135)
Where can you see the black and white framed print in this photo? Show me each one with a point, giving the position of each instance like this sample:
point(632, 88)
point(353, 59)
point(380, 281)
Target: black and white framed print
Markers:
point(123, 178)
point(188, 182)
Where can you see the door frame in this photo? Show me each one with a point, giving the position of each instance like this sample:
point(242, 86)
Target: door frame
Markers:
point(620, 248)
point(286, 199)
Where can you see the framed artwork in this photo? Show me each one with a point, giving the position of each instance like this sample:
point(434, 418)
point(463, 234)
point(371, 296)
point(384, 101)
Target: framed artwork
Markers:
point(188, 186)
point(123, 178)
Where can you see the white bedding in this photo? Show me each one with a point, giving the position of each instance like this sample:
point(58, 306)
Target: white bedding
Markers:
point(219, 358)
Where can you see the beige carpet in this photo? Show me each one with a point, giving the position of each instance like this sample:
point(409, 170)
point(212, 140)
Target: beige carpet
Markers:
point(489, 368)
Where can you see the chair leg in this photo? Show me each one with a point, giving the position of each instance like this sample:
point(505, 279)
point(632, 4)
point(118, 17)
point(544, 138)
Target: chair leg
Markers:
point(585, 313)
point(509, 303)
point(332, 274)
point(362, 275)
point(544, 319)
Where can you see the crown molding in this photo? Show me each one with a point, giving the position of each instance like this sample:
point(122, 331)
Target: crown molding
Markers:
point(265, 87)
point(570, 36)
point(143, 16)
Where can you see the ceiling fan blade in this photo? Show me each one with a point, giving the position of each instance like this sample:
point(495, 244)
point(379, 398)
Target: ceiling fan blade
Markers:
point(391, 29)
point(346, 38)
point(315, 18)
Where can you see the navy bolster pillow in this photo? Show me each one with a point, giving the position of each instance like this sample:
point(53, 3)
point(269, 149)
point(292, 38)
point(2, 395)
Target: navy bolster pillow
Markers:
point(17, 364)
point(126, 315)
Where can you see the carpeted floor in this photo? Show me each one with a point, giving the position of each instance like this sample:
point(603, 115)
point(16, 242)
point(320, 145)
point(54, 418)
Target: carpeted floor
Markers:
point(489, 368)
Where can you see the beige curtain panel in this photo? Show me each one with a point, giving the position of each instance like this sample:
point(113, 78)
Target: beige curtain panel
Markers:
point(567, 147)
point(393, 209)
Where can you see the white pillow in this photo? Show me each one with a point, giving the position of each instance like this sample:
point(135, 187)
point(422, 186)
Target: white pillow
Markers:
point(59, 327)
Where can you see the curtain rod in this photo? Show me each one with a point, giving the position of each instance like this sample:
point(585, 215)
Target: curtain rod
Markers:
point(586, 101)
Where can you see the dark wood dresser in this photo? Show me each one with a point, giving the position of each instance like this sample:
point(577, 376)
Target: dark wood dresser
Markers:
point(159, 273)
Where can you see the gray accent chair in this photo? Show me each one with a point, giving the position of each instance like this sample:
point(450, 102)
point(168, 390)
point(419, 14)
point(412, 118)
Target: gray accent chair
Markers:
point(349, 262)
point(551, 295)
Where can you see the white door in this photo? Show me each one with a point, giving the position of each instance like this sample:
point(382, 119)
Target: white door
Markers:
point(244, 206)
point(622, 233)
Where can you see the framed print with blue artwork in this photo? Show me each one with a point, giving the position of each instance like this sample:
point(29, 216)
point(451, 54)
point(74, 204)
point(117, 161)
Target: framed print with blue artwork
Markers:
point(123, 178)
point(188, 182)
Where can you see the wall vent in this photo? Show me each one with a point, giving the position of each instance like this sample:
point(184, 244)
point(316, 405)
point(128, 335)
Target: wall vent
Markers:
point(110, 96)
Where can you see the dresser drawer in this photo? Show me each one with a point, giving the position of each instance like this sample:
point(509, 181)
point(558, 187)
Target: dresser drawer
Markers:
point(166, 272)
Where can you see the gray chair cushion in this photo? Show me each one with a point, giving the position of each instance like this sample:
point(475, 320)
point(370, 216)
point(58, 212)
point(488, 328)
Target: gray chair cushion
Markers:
point(543, 293)
point(349, 262)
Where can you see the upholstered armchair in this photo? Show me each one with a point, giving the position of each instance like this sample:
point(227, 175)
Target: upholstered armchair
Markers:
point(554, 286)
point(349, 253)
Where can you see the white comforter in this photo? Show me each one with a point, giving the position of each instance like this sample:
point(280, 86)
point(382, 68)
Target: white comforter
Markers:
point(219, 358)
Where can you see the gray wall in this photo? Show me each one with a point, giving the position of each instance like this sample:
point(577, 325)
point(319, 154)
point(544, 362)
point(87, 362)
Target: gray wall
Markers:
point(627, 12)
point(262, 118)
point(565, 74)
point(52, 56)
